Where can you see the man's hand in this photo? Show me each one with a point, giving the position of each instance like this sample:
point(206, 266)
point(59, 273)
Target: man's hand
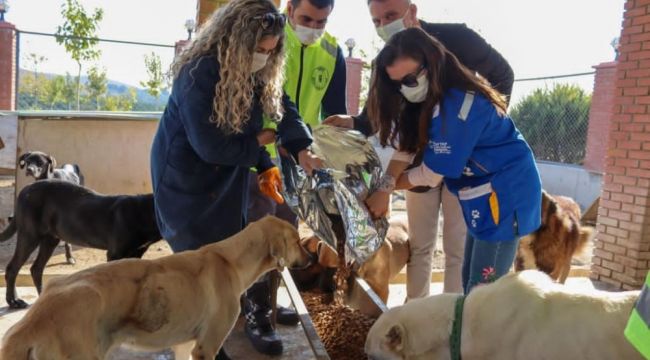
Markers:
point(309, 161)
point(342, 121)
point(266, 137)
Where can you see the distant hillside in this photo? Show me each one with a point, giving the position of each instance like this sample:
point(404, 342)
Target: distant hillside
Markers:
point(144, 100)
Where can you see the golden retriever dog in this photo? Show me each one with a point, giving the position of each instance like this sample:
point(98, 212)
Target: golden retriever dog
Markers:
point(559, 238)
point(153, 304)
point(523, 315)
point(387, 262)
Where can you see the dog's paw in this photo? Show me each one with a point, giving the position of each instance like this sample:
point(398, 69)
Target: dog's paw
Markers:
point(71, 261)
point(17, 304)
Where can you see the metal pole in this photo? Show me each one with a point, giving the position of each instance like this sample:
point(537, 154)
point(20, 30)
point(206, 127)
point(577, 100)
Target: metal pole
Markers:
point(17, 68)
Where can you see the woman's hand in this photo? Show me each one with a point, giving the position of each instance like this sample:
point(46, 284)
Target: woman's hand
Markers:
point(342, 121)
point(309, 161)
point(378, 203)
point(266, 137)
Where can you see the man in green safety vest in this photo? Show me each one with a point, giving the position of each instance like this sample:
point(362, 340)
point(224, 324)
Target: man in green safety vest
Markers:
point(637, 331)
point(315, 80)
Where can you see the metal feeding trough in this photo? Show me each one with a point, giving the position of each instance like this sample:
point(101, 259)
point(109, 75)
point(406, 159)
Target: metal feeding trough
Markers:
point(360, 296)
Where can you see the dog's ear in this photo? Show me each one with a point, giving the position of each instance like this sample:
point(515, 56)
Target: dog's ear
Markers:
point(21, 160)
point(327, 256)
point(396, 338)
point(52, 162)
point(310, 244)
point(278, 250)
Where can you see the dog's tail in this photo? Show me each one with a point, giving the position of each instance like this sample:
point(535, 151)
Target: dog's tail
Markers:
point(7, 233)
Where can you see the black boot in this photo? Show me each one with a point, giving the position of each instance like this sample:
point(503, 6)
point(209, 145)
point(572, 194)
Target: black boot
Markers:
point(287, 316)
point(258, 320)
point(222, 355)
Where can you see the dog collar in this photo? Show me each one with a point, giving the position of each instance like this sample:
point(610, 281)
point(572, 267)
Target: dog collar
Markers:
point(456, 328)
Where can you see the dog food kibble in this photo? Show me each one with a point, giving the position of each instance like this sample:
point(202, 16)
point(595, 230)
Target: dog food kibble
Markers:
point(342, 330)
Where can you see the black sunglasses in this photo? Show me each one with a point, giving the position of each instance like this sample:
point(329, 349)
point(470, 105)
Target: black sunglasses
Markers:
point(411, 80)
point(271, 20)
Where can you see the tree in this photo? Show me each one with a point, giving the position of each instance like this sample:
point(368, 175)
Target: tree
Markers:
point(97, 85)
point(77, 35)
point(122, 102)
point(36, 60)
point(554, 122)
point(156, 82)
point(54, 96)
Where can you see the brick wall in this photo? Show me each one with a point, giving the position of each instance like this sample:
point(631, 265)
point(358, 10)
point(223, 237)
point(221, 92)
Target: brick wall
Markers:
point(600, 116)
point(622, 252)
point(7, 66)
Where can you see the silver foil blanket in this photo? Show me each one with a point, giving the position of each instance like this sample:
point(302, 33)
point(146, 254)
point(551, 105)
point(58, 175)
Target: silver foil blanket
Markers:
point(352, 171)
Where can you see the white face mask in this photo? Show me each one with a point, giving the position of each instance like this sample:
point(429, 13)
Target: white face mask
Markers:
point(387, 31)
point(259, 61)
point(418, 93)
point(307, 35)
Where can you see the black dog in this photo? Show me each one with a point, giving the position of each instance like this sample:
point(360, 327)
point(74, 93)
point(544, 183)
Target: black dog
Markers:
point(52, 210)
point(41, 166)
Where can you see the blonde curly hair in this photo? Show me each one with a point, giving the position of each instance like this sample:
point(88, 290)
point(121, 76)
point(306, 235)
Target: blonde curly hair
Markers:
point(232, 34)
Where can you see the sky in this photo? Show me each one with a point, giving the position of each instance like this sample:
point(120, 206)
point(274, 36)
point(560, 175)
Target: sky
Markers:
point(537, 37)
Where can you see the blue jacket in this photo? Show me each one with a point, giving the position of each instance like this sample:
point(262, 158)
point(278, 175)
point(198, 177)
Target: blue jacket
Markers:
point(200, 173)
point(487, 163)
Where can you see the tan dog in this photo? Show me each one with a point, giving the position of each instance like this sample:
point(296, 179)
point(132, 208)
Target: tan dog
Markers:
point(559, 238)
point(153, 304)
point(387, 262)
point(520, 316)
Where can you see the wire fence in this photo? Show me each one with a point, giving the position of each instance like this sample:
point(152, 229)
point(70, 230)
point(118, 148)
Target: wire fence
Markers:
point(49, 79)
point(551, 112)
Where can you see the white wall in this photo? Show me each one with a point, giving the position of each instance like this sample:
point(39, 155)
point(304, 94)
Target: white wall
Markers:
point(571, 180)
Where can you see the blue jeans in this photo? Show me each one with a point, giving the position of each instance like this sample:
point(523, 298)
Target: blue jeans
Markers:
point(486, 261)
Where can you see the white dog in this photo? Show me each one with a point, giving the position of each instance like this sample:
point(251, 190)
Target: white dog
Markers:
point(521, 316)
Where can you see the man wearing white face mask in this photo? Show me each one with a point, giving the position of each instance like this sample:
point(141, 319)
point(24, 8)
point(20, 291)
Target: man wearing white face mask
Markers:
point(423, 203)
point(315, 66)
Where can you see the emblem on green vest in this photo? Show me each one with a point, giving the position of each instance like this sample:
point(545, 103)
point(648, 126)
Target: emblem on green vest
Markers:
point(320, 77)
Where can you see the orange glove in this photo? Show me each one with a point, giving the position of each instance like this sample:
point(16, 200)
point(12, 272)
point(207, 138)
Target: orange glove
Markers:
point(270, 184)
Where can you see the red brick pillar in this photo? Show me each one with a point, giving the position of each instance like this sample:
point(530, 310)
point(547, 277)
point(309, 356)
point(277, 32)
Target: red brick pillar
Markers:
point(622, 253)
point(354, 69)
point(7, 66)
point(600, 116)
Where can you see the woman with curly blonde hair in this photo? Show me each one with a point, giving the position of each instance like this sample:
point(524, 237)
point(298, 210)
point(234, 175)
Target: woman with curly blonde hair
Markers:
point(211, 132)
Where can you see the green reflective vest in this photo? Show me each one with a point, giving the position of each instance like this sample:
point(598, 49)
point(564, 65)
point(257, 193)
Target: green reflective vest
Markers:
point(638, 327)
point(307, 72)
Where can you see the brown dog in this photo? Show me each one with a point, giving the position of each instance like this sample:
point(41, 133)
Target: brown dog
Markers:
point(153, 304)
point(559, 238)
point(387, 262)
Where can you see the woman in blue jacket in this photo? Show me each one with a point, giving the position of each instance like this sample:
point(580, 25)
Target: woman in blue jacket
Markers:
point(424, 100)
point(211, 134)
